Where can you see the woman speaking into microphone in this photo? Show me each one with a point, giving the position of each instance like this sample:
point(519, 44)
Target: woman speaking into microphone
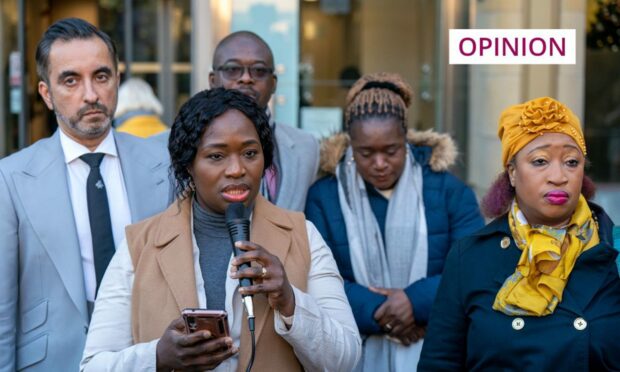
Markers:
point(220, 145)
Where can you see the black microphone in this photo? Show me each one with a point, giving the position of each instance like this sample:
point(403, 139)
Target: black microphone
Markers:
point(239, 229)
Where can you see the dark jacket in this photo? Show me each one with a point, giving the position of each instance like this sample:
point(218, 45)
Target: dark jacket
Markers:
point(451, 213)
point(465, 333)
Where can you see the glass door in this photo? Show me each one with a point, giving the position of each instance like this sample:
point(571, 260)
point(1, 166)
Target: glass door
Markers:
point(155, 46)
point(9, 81)
point(342, 40)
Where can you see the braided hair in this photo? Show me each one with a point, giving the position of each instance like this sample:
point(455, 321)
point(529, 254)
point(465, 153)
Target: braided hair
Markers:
point(378, 95)
point(192, 121)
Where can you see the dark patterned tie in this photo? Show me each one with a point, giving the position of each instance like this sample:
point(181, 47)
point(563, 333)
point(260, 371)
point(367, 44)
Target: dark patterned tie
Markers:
point(99, 216)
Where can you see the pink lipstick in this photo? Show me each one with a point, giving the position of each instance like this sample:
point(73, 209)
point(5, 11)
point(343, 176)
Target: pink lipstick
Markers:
point(556, 197)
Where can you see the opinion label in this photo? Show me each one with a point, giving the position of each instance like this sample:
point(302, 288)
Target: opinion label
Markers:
point(512, 46)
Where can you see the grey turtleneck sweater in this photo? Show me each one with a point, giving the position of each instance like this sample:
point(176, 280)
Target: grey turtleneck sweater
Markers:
point(215, 249)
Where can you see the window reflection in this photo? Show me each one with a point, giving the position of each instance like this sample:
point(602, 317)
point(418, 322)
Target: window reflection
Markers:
point(602, 116)
point(8, 35)
point(160, 44)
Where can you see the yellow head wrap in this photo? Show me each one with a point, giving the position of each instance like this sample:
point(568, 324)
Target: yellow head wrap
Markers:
point(520, 124)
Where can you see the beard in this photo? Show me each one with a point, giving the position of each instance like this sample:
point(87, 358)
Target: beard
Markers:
point(91, 127)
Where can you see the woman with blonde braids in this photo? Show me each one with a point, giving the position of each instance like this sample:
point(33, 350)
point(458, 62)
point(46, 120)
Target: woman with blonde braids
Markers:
point(538, 288)
point(389, 211)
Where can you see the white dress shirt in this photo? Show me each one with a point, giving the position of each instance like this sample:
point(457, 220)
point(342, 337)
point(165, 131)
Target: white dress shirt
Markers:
point(77, 173)
point(323, 333)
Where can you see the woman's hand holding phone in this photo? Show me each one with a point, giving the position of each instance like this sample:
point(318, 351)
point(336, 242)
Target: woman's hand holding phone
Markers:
point(198, 351)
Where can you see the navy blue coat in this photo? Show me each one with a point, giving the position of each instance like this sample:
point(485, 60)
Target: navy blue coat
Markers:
point(465, 333)
point(451, 213)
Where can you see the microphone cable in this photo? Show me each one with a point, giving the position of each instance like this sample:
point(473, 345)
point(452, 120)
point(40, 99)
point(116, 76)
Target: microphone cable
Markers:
point(251, 326)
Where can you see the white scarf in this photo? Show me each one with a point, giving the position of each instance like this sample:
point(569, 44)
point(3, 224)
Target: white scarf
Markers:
point(401, 262)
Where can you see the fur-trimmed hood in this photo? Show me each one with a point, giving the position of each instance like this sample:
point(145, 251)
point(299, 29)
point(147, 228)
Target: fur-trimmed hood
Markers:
point(443, 153)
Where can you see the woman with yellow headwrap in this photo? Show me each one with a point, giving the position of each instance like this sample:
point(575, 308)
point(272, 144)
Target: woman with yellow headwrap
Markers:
point(538, 287)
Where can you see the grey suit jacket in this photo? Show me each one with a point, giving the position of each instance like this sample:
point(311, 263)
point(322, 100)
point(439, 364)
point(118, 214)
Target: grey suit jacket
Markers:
point(298, 154)
point(43, 311)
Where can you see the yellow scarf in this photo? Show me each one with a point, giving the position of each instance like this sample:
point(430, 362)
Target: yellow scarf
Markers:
point(549, 255)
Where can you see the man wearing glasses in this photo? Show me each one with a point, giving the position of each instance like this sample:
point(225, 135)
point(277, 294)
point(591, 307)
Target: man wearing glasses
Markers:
point(243, 61)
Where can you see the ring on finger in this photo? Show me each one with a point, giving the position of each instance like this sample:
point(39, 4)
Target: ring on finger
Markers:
point(388, 327)
point(263, 272)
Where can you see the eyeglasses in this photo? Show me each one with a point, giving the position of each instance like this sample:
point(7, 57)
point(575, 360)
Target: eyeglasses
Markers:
point(234, 72)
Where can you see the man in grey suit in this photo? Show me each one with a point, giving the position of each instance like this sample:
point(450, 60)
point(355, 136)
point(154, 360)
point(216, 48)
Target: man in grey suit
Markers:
point(66, 200)
point(244, 61)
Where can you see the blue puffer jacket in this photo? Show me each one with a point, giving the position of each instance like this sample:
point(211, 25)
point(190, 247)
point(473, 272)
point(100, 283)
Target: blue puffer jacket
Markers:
point(451, 213)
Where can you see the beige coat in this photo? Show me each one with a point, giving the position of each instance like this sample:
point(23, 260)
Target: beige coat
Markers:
point(164, 284)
